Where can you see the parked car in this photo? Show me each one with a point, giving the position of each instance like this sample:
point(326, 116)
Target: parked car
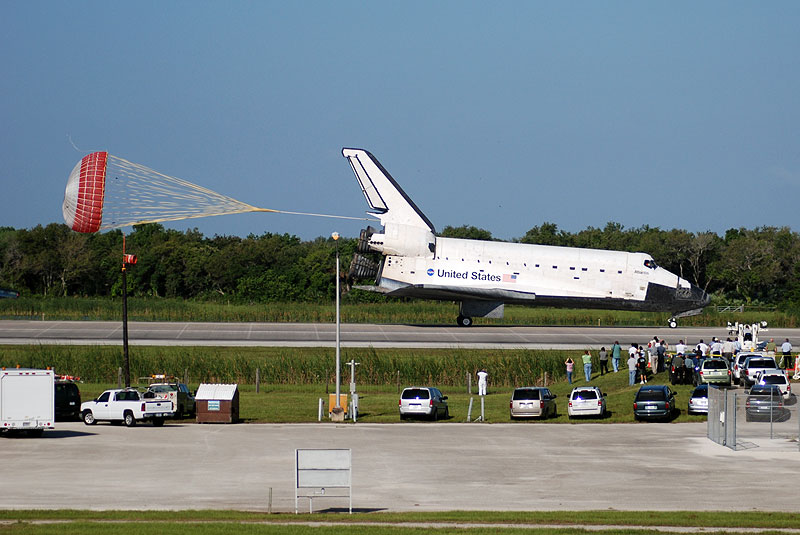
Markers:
point(67, 401)
point(698, 401)
point(778, 379)
point(736, 365)
point(653, 402)
point(180, 395)
point(765, 403)
point(586, 401)
point(680, 370)
point(532, 402)
point(756, 364)
point(713, 371)
point(423, 401)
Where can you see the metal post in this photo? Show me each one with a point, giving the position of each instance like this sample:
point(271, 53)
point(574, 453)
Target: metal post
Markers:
point(319, 411)
point(469, 383)
point(469, 410)
point(335, 237)
point(258, 380)
point(483, 419)
point(126, 365)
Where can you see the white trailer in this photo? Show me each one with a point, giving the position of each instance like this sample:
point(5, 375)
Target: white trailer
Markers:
point(27, 400)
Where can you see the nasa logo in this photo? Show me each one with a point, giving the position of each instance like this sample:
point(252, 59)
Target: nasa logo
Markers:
point(430, 272)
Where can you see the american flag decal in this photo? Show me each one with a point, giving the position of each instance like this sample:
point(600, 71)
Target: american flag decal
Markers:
point(510, 278)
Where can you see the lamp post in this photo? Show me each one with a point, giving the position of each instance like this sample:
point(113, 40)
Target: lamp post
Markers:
point(126, 363)
point(335, 237)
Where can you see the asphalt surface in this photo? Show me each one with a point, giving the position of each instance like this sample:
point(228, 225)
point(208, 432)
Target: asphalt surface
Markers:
point(352, 335)
point(397, 467)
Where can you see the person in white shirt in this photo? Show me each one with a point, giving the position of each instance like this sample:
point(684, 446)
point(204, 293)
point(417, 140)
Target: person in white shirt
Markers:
point(680, 348)
point(482, 377)
point(727, 349)
point(786, 359)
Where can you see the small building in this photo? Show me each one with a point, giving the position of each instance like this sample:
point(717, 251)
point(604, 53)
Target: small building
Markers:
point(217, 404)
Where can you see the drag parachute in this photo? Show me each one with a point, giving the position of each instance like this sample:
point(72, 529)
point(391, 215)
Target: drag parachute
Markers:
point(105, 192)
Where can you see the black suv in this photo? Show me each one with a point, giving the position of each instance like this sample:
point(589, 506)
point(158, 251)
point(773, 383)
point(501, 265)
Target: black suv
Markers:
point(67, 400)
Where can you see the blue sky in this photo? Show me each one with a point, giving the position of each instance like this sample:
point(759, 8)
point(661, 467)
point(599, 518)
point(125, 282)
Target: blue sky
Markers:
point(502, 115)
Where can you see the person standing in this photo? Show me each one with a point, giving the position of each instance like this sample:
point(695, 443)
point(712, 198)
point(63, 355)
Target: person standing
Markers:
point(786, 359)
point(680, 348)
point(603, 361)
point(631, 369)
point(587, 365)
point(661, 353)
point(652, 354)
point(482, 378)
point(570, 365)
point(642, 363)
point(616, 349)
point(727, 349)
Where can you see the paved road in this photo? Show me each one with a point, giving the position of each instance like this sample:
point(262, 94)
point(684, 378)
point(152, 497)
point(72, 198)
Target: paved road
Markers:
point(352, 335)
point(397, 467)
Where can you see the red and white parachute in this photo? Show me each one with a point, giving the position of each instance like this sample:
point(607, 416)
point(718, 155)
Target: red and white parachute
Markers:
point(106, 192)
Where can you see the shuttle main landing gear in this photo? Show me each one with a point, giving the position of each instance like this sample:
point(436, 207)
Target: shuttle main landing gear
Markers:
point(673, 323)
point(464, 321)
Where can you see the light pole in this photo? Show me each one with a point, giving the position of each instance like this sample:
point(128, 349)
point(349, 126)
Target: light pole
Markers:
point(126, 364)
point(335, 237)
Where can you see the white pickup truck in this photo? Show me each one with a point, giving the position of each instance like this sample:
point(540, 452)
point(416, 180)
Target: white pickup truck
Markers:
point(125, 405)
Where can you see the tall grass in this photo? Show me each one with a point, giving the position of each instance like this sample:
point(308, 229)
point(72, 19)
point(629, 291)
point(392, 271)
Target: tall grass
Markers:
point(293, 366)
point(410, 312)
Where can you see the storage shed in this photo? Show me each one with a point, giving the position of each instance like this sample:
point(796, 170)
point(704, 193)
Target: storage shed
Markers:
point(217, 404)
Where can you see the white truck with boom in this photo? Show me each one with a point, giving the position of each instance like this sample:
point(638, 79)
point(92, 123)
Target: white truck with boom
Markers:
point(126, 405)
point(27, 400)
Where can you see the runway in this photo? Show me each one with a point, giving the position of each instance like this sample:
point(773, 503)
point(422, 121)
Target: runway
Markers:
point(353, 335)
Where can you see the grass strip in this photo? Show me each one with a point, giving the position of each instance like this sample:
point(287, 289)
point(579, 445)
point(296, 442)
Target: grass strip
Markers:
point(701, 519)
point(394, 311)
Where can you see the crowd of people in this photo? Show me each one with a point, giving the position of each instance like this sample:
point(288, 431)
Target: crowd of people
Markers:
point(652, 358)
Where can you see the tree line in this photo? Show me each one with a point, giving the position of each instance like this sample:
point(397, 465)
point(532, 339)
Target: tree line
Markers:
point(752, 266)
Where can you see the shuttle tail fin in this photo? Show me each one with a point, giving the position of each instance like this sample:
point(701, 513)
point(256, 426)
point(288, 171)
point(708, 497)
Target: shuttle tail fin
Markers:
point(385, 196)
point(406, 230)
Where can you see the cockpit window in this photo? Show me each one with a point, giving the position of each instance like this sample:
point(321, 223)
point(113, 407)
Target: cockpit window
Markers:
point(650, 264)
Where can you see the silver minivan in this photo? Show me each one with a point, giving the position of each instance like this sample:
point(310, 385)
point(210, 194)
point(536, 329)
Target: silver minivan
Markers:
point(532, 402)
point(423, 401)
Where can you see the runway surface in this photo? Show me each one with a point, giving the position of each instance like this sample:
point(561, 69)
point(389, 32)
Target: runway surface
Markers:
point(397, 467)
point(352, 335)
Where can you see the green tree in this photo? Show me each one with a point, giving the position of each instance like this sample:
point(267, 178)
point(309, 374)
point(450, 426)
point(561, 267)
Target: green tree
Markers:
point(467, 232)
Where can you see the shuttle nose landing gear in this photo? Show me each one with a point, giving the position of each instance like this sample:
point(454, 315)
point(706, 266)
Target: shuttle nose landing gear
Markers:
point(464, 321)
point(673, 323)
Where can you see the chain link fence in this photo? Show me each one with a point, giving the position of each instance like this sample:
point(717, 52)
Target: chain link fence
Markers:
point(738, 422)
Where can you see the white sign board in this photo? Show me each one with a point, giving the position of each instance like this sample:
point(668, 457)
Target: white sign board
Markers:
point(318, 471)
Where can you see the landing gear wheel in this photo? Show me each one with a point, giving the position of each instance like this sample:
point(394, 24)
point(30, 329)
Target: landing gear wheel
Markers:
point(673, 323)
point(464, 321)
